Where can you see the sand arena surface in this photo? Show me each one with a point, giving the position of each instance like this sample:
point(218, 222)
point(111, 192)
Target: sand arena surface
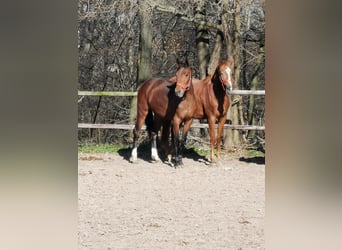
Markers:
point(153, 206)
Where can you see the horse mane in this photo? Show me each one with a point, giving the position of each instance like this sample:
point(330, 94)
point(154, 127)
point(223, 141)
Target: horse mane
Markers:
point(207, 79)
point(228, 63)
point(216, 74)
point(172, 79)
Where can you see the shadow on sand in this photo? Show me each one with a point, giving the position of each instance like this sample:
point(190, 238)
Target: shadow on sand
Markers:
point(255, 159)
point(144, 153)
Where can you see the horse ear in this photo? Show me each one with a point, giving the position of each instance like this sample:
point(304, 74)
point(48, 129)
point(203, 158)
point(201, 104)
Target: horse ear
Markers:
point(177, 63)
point(186, 62)
point(173, 79)
point(229, 63)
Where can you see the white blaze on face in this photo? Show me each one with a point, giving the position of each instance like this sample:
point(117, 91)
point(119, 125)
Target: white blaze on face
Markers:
point(228, 71)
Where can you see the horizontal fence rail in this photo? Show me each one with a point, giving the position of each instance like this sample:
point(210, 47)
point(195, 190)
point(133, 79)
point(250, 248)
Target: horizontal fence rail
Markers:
point(134, 93)
point(196, 125)
point(247, 92)
point(107, 93)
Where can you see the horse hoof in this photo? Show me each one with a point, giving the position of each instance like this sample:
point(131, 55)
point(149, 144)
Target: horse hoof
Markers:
point(213, 164)
point(133, 160)
point(178, 164)
point(205, 161)
point(169, 163)
point(169, 158)
point(155, 159)
point(213, 160)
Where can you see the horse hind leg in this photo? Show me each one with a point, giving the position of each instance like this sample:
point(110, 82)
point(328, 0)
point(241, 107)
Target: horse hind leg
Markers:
point(182, 139)
point(137, 130)
point(154, 150)
point(134, 153)
point(153, 126)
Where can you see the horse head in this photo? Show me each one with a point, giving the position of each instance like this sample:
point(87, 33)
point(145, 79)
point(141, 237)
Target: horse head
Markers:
point(183, 78)
point(224, 71)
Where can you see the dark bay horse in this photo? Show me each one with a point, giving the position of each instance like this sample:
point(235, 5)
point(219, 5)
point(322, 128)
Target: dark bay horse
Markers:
point(157, 101)
point(211, 102)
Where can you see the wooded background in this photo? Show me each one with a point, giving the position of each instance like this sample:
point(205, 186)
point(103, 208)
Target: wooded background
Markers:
point(123, 43)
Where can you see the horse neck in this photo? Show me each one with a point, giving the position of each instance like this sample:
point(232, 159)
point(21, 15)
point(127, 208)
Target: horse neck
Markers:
point(218, 88)
point(191, 91)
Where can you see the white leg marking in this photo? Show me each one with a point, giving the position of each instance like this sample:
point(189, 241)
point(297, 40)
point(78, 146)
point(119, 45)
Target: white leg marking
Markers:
point(134, 155)
point(154, 154)
point(169, 160)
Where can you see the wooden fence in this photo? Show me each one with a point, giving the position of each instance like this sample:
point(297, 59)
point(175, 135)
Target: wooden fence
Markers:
point(194, 125)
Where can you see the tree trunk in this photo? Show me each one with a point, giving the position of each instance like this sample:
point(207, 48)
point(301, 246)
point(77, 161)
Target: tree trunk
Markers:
point(202, 41)
point(226, 29)
point(104, 54)
point(145, 46)
point(145, 52)
point(202, 44)
point(254, 85)
point(232, 37)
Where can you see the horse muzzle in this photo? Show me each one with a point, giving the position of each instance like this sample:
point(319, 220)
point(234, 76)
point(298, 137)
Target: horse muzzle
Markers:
point(179, 92)
point(229, 88)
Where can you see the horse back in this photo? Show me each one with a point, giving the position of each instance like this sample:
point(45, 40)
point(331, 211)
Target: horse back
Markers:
point(156, 94)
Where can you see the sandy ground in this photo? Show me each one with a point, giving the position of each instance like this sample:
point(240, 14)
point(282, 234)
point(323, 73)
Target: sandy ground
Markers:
point(153, 206)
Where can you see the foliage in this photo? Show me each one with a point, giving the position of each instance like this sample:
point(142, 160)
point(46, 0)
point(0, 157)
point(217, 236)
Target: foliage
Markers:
point(108, 44)
point(99, 148)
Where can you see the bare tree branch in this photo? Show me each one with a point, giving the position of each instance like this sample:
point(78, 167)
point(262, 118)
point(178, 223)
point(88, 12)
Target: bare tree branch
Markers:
point(183, 16)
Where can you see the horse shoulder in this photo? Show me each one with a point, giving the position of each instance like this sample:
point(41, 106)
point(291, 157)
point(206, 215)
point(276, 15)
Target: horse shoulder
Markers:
point(207, 79)
point(226, 103)
point(213, 102)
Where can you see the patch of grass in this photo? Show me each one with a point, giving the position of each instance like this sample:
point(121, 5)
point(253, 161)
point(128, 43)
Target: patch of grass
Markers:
point(200, 151)
point(254, 153)
point(99, 148)
point(144, 148)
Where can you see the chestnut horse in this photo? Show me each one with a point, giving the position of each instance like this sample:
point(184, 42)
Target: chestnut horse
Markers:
point(157, 101)
point(211, 102)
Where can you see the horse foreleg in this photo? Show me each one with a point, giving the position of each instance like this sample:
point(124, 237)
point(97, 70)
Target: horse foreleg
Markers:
point(165, 139)
point(186, 128)
point(176, 142)
point(211, 123)
point(219, 136)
